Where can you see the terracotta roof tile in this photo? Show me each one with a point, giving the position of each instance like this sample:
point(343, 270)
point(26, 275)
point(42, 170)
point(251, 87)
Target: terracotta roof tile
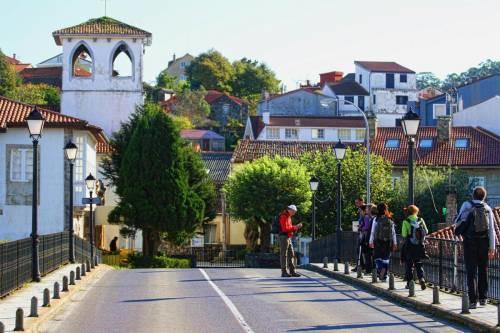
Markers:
point(383, 66)
point(213, 95)
point(196, 134)
point(101, 26)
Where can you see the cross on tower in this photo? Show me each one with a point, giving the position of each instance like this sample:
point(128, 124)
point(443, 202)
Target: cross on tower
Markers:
point(105, 7)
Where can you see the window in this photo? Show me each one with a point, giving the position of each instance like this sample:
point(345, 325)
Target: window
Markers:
point(425, 143)
point(318, 133)
point(272, 133)
point(389, 81)
point(79, 142)
point(349, 99)
point(183, 64)
point(21, 165)
point(374, 99)
point(438, 110)
point(360, 134)
point(209, 231)
point(81, 62)
point(291, 133)
point(122, 62)
point(392, 143)
point(345, 134)
point(475, 181)
point(401, 100)
point(403, 78)
point(225, 108)
point(360, 78)
point(462, 143)
point(395, 181)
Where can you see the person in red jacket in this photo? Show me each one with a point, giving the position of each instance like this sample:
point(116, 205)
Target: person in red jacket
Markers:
point(286, 249)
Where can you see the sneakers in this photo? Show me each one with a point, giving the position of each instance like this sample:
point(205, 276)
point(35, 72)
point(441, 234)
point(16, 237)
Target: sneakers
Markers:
point(285, 274)
point(407, 285)
point(294, 274)
point(482, 302)
point(422, 284)
point(472, 306)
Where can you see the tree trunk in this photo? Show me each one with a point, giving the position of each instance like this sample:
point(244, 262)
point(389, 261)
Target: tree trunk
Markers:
point(150, 242)
point(265, 236)
point(251, 236)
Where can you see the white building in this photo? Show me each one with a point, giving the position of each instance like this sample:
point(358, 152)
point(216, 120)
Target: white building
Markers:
point(347, 92)
point(318, 129)
point(485, 115)
point(391, 87)
point(177, 66)
point(16, 171)
point(108, 91)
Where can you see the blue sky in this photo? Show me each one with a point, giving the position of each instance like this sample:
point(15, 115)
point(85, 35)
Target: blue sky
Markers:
point(297, 39)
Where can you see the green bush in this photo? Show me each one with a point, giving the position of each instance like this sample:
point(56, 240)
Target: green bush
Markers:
point(139, 261)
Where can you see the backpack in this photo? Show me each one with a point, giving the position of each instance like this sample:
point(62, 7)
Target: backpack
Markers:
point(275, 226)
point(478, 219)
point(384, 229)
point(418, 234)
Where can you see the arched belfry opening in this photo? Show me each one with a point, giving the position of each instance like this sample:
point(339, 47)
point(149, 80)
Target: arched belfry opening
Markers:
point(81, 62)
point(122, 62)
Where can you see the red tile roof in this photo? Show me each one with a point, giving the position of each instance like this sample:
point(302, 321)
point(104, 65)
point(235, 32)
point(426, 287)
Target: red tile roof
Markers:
point(18, 65)
point(196, 134)
point(100, 26)
point(383, 66)
point(484, 148)
point(213, 95)
point(306, 89)
point(447, 233)
point(13, 115)
point(41, 72)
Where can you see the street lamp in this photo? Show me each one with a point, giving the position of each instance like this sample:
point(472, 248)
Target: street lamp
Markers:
point(339, 150)
point(90, 182)
point(70, 150)
point(410, 123)
point(35, 122)
point(313, 184)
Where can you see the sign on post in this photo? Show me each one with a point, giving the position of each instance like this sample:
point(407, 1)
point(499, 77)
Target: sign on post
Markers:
point(94, 201)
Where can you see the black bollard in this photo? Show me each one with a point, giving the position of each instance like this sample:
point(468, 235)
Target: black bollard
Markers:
point(78, 273)
point(88, 266)
point(435, 295)
point(19, 320)
point(335, 265)
point(34, 307)
point(91, 264)
point(325, 262)
point(498, 314)
point(84, 271)
point(411, 289)
point(465, 303)
point(391, 282)
point(374, 275)
point(2, 327)
point(346, 268)
point(72, 278)
point(46, 297)
point(359, 272)
point(65, 284)
point(56, 291)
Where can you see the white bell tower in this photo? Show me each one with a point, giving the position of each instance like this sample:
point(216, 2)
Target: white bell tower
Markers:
point(102, 71)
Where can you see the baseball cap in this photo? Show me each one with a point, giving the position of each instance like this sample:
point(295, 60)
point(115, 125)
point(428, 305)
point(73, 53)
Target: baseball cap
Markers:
point(292, 207)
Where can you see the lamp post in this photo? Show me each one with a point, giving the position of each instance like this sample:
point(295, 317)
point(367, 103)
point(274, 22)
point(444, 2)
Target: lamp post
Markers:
point(35, 122)
point(326, 102)
point(313, 184)
point(410, 123)
point(70, 150)
point(339, 150)
point(90, 182)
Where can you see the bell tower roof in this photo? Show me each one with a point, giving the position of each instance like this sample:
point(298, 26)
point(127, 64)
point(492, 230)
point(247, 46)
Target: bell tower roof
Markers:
point(102, 26)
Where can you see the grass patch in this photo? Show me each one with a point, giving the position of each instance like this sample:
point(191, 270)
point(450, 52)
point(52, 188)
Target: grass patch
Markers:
point(139, 261)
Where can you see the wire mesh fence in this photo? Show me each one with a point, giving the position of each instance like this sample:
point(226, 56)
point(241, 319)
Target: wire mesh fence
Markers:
point(16, 259)
point(444, 268)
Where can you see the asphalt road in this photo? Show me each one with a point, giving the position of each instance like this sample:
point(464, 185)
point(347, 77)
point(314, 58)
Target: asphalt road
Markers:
point(234, 300)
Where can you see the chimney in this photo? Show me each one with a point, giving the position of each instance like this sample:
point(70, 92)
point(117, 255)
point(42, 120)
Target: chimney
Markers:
point(174, 57)
point(443, 128)
point(14, 56)
point(330, 77)
point(266, 118)
point(373, 124)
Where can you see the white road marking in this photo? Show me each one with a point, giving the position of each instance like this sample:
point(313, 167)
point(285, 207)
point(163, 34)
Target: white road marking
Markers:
point(229, 304)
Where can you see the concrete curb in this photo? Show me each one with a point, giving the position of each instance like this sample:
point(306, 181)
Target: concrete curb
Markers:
point(32, 324)
point(475, 325)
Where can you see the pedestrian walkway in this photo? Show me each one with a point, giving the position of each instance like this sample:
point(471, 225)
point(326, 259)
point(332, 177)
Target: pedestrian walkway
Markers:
point(22, 297)
point(483, 318)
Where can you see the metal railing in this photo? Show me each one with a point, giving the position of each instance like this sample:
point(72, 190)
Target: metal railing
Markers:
point(444, 268)
point(15, 258)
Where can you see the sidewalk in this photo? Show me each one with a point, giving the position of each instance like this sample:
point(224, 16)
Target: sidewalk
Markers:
point(482, 319)
point(22, 297)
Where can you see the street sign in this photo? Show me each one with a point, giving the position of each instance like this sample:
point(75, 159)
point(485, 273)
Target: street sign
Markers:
point(94, 201)
point(197, 241)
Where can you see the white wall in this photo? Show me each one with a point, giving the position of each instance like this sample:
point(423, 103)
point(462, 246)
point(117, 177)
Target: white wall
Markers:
point(345, 107)
point(102, 99)
point(305, 134)
point(486, 115)
point(15, 222)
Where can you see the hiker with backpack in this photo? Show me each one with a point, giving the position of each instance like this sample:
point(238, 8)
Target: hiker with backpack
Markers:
point(475, 223)
point(365, 229)
point(383, 240)
point(285, 232)
point(414, 232)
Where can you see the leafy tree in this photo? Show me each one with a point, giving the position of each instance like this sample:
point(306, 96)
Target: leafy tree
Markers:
point(192, 105)
point(486, 68)
point(156, 179)
point(211, 70)
point(40, 94)
point(431, 186)
point(261, 190)
point(8, 76)
point(234, 130)
point(181, 122)
point(167, 81)
point(324, 167)
point(428, 79)
point(252, 77)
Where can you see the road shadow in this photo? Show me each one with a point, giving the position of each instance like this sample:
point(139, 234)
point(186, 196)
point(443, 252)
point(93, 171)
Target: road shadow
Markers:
point(360, 326)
